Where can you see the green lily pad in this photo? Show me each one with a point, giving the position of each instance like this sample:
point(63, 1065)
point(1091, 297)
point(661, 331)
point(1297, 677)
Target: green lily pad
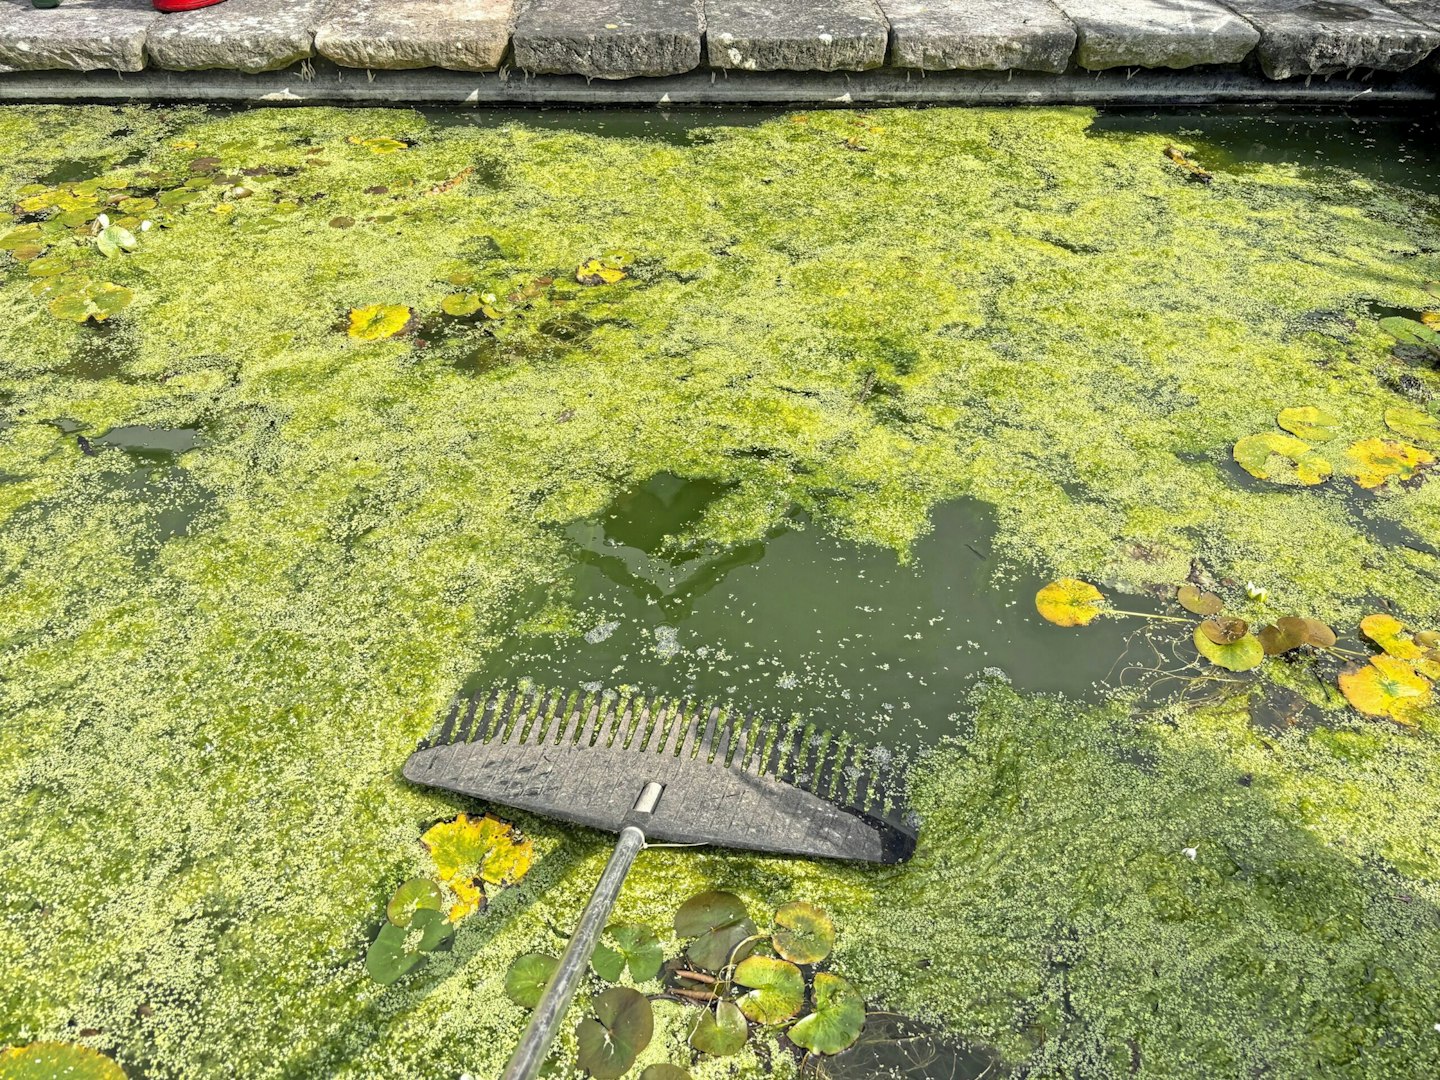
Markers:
point(97, 301)
point(113, 240)
point(723, 926)
point(388, 960)
point(1281, 459)
point(1308, 423)
point(53, 1060)
point(720, 1033)
point(611, 1040)
point(627, 944)
point(803, 933)
point(435, 929)
point(776, 989)
point(837, 1021)
point(1242, 654)
point(1411, 332)
point(20, 236)
point(664, 1071)
point(414, 895)
point(1414, 424)
point(1197, 601)
point(460, 304)
point(528, 975)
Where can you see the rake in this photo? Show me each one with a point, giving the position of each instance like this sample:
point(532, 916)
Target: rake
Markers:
point(653, 768)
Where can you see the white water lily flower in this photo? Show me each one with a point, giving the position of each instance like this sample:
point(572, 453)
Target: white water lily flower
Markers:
point(103, 221)
point(1189, 853)
point(1255, 592)
point(147, 225)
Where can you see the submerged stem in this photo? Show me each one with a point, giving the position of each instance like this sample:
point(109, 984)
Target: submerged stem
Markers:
point(1145, 615)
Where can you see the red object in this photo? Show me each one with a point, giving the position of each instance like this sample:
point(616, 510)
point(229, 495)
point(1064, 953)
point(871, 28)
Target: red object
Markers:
point(184, 5)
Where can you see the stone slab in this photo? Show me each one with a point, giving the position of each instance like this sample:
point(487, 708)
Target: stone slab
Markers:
point(795, 35)
point(80, 35)
point(240, 35)
point(608, 39)
point(459, 35)
point(1322, 37)
point(979, 35)
point(1157, 33)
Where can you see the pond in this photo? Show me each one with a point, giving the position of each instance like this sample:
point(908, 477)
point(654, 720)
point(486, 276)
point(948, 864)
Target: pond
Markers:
point(337, 413)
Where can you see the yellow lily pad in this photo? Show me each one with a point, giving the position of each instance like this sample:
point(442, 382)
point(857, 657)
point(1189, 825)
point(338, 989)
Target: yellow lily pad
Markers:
point(1242, 654)
point(50, 1060)
point(599, 272)
point(1389, 633)
point(1414, 424)
point(1373, 462)
point(472, 852)
point(378, 321)
point(1069, 602)
point(1281, 459)
point(1388, 687)
point(1308, 422)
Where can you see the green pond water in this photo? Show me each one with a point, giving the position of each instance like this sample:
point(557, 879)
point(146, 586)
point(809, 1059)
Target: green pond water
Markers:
point(869, 381)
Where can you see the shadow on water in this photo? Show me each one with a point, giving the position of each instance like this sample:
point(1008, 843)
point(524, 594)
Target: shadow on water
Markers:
point(802, 622)
point(895, 1047)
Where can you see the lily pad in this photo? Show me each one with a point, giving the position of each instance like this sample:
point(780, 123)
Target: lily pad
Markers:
point(776, 989)
point(378, 321)
point(398, 950)
point(113, 240)
point(460, 304)
point(720, 1033)
point(469, 851)
point(664, 1071)
point(20, 236)
point(1291, 633)
point(527, 978)
point(722, 925)
point(1373, 462)
point(414, 895)
point(97, 301)
point(1308, 423)
point(606, 270)
point(1225, 631)
point(1411, 332)
point(837, 1021)
point(627, 945)
point(803, 933)
point(1069, 602)
point(1389, 633)
point(1414, 424)
point(611, 1040)
point(1281, 459)
point(1197, 601)
point(384, 145)
point(53, 1060)
point(1388, 687)
point(1243, 654)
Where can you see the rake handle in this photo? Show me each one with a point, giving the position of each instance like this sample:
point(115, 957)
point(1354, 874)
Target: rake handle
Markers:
point(535, 1043)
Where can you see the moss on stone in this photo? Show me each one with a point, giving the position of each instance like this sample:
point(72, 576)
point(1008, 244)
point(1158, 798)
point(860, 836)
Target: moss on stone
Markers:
point(214, 663)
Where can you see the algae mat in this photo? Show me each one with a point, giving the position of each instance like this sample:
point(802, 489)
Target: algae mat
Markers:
point(285, 466)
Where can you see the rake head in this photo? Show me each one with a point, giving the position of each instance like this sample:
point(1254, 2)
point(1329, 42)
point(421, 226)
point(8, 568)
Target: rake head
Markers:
point(726, 780)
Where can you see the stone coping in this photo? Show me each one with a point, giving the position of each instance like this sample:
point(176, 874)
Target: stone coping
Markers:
point(323, 83)
point(624, 39)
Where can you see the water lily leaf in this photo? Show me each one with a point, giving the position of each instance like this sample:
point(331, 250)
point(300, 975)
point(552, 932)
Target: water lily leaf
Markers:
point(1069, 602)
point(664, 1071)
point(599, 272)
point(527, 977)
point(1388, 687)
point(1308, 423)
point(611, 1040)
point(393, 954)
point(1281, 459)
point(53, 266)
point(412, 896)
point(1414, 424)
point(723, 925)
point(1389, 633)
point(776, 989)
point(384, 145)
point(468, 851)
point(460, 304)
point(1428, 639)
point(434, 928)
point(1411, 332)
point(113, 240)
point(378, 321)
point(627, 944)
point(838, 1018)
point(803, 933)
point(720, 1033)
point(1291, 633)
point(53, 1060)
point(96, 301)
point(1197, 601)
point(178, 197)
point(1240, 655)
point(1225, 631)
point(1372, 462)
point(21, 236)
